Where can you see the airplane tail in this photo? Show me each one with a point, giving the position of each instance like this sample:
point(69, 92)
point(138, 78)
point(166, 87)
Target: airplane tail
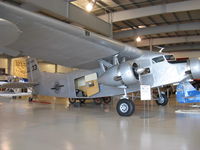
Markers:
point(34, 74)
point(48, 84)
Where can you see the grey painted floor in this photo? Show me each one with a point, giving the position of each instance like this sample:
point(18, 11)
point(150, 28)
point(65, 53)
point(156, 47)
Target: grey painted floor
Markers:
point(25, 126)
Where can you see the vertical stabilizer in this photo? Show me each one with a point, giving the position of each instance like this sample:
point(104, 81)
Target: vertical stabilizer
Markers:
point(34, 74)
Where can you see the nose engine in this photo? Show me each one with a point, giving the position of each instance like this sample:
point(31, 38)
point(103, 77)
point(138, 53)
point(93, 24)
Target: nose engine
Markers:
point(124, 74)
point(194, 67)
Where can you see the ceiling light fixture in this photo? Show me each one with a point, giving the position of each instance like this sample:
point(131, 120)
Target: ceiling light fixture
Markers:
point(138, 39)
point(90, 5)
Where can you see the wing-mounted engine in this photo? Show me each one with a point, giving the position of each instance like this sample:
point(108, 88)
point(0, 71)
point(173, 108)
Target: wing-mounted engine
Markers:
point(124, 74)
point(194, 68)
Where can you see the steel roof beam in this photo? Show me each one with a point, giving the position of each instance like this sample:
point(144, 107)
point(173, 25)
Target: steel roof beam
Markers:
point(153, 10)
point(168, 40)
point(157, 30)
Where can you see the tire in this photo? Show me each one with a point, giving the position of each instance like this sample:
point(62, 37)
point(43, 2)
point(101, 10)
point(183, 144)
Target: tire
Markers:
point(163, 100)
point(72, 100)
point(30, 99)
point(107, 100)
point(82, 101)
point(125, 107)
point(97, 101)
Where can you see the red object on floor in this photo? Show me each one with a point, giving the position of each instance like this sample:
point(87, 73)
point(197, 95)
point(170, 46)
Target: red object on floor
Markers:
point(34, 101)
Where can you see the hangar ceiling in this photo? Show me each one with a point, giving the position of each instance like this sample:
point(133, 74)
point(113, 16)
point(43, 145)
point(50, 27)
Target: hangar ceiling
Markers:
point(172, 24)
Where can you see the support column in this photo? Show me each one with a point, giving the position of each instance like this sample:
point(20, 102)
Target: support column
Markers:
point(9, 63)
point(56, 68)
point(150, 44)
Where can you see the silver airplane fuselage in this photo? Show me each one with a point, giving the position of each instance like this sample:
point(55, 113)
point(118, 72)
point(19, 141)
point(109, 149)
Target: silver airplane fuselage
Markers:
point(151, 69)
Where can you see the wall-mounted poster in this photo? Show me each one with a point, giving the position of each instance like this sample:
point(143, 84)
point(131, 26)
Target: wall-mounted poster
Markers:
point(19, 67)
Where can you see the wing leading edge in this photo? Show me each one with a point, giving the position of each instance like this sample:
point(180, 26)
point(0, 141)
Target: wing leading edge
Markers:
point(54, 41)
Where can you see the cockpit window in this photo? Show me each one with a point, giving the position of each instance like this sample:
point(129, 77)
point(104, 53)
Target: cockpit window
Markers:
point(170, 58)
point(158, 59)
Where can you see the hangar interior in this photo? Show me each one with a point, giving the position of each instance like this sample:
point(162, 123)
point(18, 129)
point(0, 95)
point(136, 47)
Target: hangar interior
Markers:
point(169, 26)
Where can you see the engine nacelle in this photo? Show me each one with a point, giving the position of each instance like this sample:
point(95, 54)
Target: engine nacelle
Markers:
point(194, 66)
point(120, 75)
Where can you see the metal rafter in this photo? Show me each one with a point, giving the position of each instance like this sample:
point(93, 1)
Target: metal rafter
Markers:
point(158, 29)
point(135, 4)
point(163, 18)
point(167, 40)
point(154, 10)
point(118, 3)
point(127, 23)
point(140, 20)
point(189, 15)
point(176, 17)
point(106, 6)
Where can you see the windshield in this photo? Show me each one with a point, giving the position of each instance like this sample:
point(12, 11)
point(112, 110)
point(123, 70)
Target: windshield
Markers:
point(158, 59)
point(170, 58)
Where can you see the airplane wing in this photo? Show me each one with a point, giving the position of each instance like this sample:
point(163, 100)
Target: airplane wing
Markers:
point(18, 85)
point(58, 42)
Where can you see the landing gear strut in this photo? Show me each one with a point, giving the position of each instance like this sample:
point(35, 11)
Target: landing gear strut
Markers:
point(30, 99)
point(97, 101)
point(107, 100)
point(162, 99)
point(82, 101)
point(125, 106)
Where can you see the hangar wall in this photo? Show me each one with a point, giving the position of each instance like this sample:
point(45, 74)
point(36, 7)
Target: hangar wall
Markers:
point(4, 64)
point(46, 67)
point(189, 54)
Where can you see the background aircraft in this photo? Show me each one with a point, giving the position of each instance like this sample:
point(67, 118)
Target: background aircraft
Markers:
point(14, 86)
point(106, 67)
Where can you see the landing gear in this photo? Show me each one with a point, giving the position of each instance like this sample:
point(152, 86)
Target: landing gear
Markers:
point(162, 99)
point(30, 99)
point(125, 107)
point(97, 101)
point(82, 101)
point(107, 100)
point(72, 100)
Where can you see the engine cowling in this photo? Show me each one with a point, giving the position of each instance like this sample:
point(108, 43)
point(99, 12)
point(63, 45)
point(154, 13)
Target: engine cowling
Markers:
point(120, 75)
point(194, 67)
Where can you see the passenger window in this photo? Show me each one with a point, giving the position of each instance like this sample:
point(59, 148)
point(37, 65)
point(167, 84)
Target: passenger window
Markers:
point(158, 59)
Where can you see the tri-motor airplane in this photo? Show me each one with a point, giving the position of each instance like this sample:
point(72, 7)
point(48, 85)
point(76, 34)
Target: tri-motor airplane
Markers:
point(106, 67)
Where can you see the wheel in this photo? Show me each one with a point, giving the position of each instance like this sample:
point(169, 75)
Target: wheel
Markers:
point(82, 101)
point(125, 107)
point(72, 100)
point(107, 100)
point(162, 100)
point(97, 101)
point(30, 99)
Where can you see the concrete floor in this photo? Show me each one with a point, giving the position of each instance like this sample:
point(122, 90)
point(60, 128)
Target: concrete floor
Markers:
point(25, 126)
